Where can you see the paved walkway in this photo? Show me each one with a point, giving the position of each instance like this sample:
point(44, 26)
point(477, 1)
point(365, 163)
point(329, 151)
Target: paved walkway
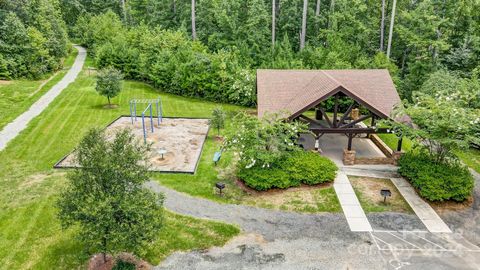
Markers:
point(423, 210)
point(20, 123)
point(353, 211)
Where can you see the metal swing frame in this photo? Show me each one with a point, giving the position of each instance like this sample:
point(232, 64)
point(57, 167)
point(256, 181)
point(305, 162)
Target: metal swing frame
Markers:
point(150, 102)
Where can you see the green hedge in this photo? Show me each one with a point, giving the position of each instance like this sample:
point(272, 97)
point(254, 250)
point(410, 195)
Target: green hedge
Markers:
point(299, 167)
point(436, 181)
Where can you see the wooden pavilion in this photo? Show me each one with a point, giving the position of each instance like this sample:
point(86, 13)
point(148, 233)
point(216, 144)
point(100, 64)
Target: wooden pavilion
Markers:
point(296, 93)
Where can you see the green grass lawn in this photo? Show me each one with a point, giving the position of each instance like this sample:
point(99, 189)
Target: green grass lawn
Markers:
point(391, 141)
point(17, 96)
point(471, 157)
point(31, 237)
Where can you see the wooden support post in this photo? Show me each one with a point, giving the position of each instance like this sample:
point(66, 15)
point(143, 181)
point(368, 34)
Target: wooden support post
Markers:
point(350, 138)
point(326, 117)
point(346, 114)
point(373, 121)
point(351, 124)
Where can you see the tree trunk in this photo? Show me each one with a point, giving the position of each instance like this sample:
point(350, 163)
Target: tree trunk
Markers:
point(382, 26)
point(304, 24)
point(332, 10)
point(273, 22)
point(389, 45)
point(104, 243)
point(109, 101)
point(124, 12)
point(174, 9)
point(317, 10)
point(194, 30)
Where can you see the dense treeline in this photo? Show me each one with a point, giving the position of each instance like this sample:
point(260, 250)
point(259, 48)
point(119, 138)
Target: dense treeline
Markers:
point(152, 39)
point(33, 38)
point(427, 35)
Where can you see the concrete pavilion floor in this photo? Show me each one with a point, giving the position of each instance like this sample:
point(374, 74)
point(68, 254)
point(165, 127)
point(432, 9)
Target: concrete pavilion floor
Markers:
point(332, 145)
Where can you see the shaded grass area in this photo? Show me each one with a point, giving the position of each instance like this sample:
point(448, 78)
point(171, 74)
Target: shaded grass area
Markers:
point(17, 96)
point(183, 233)
point(368, 189)
point(391, 141)
point(31, 237)
point(471, 157)
point(302, 199)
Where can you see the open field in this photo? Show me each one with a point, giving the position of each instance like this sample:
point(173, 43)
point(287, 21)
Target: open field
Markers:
point(18, 95)
point(31, 234)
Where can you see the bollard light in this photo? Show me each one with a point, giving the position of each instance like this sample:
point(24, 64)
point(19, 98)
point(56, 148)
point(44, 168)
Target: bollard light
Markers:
point(220, 186)
point(385, 192)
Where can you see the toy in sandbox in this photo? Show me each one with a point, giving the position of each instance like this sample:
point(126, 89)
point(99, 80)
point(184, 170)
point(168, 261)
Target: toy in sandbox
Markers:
point(149, 107)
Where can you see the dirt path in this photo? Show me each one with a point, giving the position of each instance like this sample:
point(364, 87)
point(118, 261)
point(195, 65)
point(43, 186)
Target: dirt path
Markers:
point(11, 130)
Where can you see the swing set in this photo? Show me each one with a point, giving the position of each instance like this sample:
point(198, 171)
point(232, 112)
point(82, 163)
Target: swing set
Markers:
point(150, 103)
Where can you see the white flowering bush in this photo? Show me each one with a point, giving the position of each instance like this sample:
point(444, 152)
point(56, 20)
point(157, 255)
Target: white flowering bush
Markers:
point(261, 142)
point(242, 91)
point(443, 122)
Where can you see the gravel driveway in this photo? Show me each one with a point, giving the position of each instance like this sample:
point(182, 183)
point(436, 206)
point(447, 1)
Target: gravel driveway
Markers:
point(285, 240)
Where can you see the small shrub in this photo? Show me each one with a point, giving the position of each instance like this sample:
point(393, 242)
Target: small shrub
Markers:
point(297, 168)
point(262, 179)
point(310, 168)
point(436, 181)
point(123, 265)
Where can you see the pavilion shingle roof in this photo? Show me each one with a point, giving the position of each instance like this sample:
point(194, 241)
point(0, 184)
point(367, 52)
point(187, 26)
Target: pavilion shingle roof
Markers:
point(294, 91)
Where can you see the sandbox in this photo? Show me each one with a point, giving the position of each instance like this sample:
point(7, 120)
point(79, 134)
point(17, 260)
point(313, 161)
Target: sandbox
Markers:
point(181, 138)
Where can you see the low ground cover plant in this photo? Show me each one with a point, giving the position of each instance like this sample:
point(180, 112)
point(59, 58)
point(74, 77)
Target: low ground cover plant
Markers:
point(299, 167)
point(436, 181)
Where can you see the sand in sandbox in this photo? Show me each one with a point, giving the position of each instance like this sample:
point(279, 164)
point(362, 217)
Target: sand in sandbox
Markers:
point(182, 138)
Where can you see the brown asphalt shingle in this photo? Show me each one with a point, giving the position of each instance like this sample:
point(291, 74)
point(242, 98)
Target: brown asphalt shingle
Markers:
point(296, 90)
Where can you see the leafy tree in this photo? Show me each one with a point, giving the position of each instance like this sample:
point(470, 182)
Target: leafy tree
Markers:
point(33, 39)
point(109, 83)
point(105, 197)
point(218, 119)
point(445, 114)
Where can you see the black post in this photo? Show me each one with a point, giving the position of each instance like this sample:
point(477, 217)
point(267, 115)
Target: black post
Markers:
point(373, 121)
point(350, 137)
point(318, 114)
point(335, 110)
point(399, 144)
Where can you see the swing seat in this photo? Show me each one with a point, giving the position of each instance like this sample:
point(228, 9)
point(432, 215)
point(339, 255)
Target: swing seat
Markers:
point(217, 156)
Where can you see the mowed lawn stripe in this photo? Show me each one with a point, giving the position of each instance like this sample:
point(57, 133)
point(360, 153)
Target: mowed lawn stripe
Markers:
point(39, 126)
point(27, 180)
point(64, 119)
point(20, 240)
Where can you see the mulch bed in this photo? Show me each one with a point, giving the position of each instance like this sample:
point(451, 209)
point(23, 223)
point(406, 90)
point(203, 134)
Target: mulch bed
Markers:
point(447, 206)
point(97, 262)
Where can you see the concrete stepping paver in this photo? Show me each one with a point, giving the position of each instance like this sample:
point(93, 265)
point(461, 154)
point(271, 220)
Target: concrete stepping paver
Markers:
point(356, 218)
point(423, 210)
point(11, 130)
